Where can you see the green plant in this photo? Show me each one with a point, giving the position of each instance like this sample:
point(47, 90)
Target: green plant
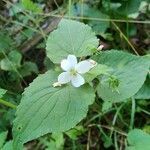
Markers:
point(45, 108)
point(92, 92)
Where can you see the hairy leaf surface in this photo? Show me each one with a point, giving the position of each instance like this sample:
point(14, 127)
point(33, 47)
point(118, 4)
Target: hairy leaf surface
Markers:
point(71, 37)
point(44, 109)
point(130, 70)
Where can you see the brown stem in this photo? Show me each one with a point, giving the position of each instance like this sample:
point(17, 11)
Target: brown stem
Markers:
point(26, 46)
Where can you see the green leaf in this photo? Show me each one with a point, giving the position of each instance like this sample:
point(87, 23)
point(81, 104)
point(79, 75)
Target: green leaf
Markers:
point(75, 132)
point(15, 9)
point(8, 146)
point(122, 8)
point(98, 26)
point(3, 137)
point(111, 6)
point(12, 62)
point(71, 37)
point(84, 10)
point(138, 140)
point(97, 70)
point(28, 68)
point(30, 6)
point(44, 109)
point(146, 129)
point(56, 142)
point(2, 92)
point(144, 92)
point(106, 106)
point(6, 42)
point(59, 140)
point(129, 70)
point(129, 7)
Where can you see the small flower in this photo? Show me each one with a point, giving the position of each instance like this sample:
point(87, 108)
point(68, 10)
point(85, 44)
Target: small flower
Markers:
point(73, 70)
point(100, 47)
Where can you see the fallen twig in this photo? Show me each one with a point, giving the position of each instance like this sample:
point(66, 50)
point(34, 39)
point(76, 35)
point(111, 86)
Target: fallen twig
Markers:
point(26, 46)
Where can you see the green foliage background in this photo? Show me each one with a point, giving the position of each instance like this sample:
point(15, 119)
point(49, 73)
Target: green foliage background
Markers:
point(111, 111)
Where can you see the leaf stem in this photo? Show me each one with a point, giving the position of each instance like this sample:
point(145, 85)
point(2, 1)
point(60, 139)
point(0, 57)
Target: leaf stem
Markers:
point(115, 118)
point(82, 7)
point(145, 111)
point(132, 114)
point(115, 141)
point(69, 5)
point(8, 104)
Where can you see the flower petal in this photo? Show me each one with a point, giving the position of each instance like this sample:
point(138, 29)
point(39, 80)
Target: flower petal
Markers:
point(84, 66)
point(64, 78)
point(65, 65)
point(72, 60)
point(100, 47)
point(77, 80)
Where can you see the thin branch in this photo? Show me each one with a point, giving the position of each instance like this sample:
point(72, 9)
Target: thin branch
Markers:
point(94, 18)
point(123, 35)
point(143, 110)
point(8, 104)
point(88, 140)
point(38, 37)
point(109, 128)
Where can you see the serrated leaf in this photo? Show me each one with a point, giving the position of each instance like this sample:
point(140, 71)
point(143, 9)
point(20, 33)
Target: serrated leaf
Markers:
point(44, 109)
point(71, 37)
point(138, 140)
point(130, 70)
point(3, 137)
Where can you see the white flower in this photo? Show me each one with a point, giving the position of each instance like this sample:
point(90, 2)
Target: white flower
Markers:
point(73, 70)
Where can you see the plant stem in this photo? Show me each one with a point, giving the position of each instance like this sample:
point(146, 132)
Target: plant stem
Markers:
point(109, 128)
point(115, 141)
point(69, 8)
point(132, 114)
point(115, 117)
point(82, 9)
point(126, 39)
point(8, 104)
point(145, 111)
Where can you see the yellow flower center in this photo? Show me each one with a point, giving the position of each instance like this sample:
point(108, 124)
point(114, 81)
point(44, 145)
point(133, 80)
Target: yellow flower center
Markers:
point(73, 72)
